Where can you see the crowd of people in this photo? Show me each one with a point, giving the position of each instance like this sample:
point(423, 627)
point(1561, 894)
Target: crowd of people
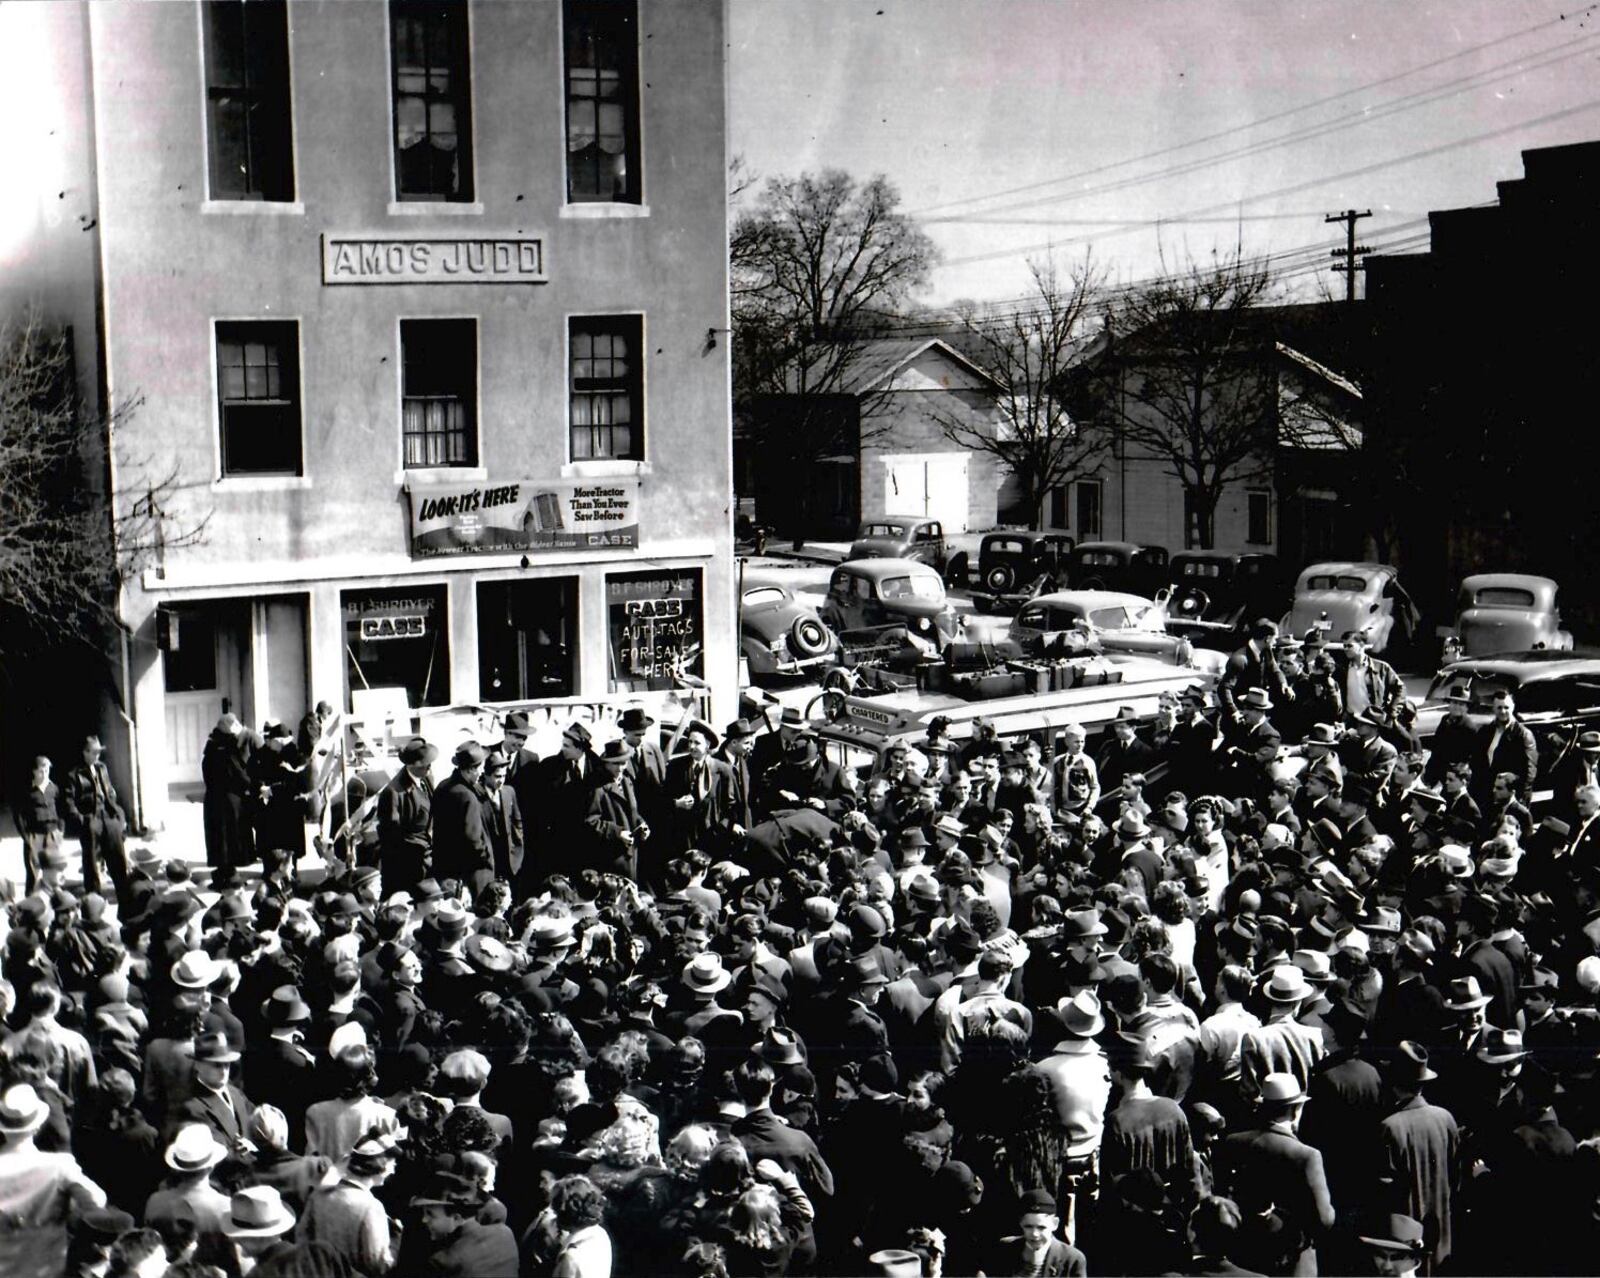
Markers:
point(1259, 985)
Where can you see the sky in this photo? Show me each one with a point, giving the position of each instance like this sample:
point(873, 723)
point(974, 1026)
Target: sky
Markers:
point(1149, 132)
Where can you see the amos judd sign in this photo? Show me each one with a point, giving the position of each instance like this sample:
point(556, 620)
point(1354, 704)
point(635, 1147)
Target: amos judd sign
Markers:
point(525, 514)
point(378, 259)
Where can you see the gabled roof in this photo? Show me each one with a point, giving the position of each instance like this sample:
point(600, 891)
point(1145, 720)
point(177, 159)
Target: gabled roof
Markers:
point(881, 358)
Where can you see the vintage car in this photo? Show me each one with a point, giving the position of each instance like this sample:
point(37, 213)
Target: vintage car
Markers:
point(871, 594)
point(1009, 563)
point(779, 635)
point(1345, 596)
point(910, 537)
point(1215, 594)
point(1507, 612)
point(1110, 621)
point(1117, 565)
point(1558, 696)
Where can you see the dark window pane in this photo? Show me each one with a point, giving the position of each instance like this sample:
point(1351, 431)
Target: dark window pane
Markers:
point(247, 91)
point(602, 56)
point(432, 100)
point(438, 422)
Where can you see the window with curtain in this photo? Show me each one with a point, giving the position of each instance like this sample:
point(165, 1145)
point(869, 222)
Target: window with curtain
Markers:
point(247, 100)
point(432, 100)
point(258, 390)
point(438, 406)
point(602, 66)
point(607, 403)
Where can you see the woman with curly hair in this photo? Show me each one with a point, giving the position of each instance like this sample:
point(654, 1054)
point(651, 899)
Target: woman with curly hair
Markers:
point(577, 1208)
point(334, 1126)
point(768, 1220)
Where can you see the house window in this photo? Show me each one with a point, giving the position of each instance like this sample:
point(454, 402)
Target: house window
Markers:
point(607, 387)
point(247, 99)
point(1090, 494)
point(258, 386)
point(439, 401)
point(432, 100)
point(602, 63)
point(1258, 516)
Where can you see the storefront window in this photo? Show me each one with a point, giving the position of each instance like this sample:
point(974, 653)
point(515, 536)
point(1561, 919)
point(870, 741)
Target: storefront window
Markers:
point(397, 640)
point(528, 639)
point(656, 628)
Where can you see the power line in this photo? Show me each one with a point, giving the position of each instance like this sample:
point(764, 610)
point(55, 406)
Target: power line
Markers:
point(1354, 119)
point(1296, 188)
point(1258, 122)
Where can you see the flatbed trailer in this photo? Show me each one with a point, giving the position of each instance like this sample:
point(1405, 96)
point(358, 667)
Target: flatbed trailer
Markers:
point(858, 730)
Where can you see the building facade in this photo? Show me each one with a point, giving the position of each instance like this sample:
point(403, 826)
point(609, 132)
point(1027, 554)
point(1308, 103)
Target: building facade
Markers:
point(416, 297)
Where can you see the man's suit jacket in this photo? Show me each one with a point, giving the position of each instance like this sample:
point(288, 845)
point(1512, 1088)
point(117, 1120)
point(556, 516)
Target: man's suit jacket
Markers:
point(561, 795)
point(702, 824)
point(82, 800)
point(502, 817)
point(610, 812)
point(1517, 753)
point(1248, 668)
point(741, 779)
point(405, 815)
point(285, 1076)
point(206, 1106)
point(522, 776)
point(1497, 976)
point(1117, 761)
point(648, 772)
point(460, 834)
point(1266, 1166)
point(1059, 1259)
point(814, 778)
point(1453, 741)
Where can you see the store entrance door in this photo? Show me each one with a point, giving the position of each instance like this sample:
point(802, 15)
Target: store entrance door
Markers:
point(205, 657)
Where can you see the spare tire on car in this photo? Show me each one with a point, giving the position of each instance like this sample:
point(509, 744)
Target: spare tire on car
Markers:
point(808, 637)
point(1000, 578)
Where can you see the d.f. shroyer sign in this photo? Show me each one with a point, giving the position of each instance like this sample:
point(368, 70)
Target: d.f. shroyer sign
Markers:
point(376, 259)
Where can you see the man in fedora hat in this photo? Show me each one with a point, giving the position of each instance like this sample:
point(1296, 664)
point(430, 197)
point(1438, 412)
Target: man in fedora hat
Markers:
point(522, 771)
point(738, 744)
point(502, 816)
point(1190, 746)
point(1269, 1166)
point(1393, 1242)
point(461, 846)
point(1366, 755)
point(89, 803)
point(192, 1155)
point(405, 818)
point(557, 812)
point(806, 779)
point(40, 1192)
point(451, 1237)
point(255, 1224)
point(614, 827)
point(698, 792)
point(1251, 745)
point(1254, 666)
point(1080, 1078)
point(282, 1072)
point(1282, 1045)
point(1455, 740)
point(216, 1101)
point(647, 769)
point(1422, 1149)
point(225, 768)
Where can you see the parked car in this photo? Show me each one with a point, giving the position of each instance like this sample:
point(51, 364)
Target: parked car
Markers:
point(910, 537)
point(779, 635)
point(866, 594)
point(1558, 695)
point(1115, 622)
point(1224, 586)
point(1508, 612)
point(1117, 565)
point(1344, 596)
point(1010, 562)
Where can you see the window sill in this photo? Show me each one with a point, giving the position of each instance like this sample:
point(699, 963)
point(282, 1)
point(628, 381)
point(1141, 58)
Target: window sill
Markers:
point(253, 208)
point(260, 483)
point(424, 476)
point(433, 208)
point(601, 212)
point(604, 469)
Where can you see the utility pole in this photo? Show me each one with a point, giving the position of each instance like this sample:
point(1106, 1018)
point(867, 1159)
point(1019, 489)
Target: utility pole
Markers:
point(1351, 251)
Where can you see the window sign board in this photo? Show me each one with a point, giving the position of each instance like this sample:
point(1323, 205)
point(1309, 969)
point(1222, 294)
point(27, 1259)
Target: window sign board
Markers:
point(524, 514)
point(656, 627)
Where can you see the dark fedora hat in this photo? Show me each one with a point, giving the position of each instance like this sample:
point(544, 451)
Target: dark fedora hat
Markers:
point(635, 719)
point(418, 750)
point(1410, 1064)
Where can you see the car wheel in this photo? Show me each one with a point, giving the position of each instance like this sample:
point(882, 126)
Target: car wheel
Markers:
point(1000, 578)
point(808, 636)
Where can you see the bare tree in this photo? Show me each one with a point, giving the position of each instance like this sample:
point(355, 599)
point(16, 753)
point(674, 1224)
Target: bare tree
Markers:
point(65, 545)
point(1028, 351)
point(818, 263)
point(1185, 375)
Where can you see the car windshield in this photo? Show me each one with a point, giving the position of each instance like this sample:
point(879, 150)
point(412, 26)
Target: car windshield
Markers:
point(884, 530)
point(1329, 581)
point(1005, 547)
point(1048, 618)
point(1504, 597)
point(1480, 687)
point(1109, 618)
point(763, 595)
point(917, 587)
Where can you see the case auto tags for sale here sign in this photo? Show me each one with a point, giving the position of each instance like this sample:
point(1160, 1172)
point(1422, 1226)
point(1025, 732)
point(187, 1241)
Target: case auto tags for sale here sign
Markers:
point(524, 514)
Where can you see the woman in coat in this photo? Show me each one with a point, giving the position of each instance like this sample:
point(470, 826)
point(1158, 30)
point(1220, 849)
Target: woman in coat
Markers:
point(225, 768)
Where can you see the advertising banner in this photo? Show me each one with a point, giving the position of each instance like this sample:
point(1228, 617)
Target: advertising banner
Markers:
point(529, 515)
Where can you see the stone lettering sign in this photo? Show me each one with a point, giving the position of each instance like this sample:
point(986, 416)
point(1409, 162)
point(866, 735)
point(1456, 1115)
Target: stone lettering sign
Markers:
point(353, 259)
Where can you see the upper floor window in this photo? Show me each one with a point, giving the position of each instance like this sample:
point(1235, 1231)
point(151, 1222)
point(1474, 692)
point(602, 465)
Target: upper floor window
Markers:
point(1258, 516)
point(432, 100)
point(247, 100)
point(607, 387)
point(439, 399)
point(258, 391)
point(602, 65)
